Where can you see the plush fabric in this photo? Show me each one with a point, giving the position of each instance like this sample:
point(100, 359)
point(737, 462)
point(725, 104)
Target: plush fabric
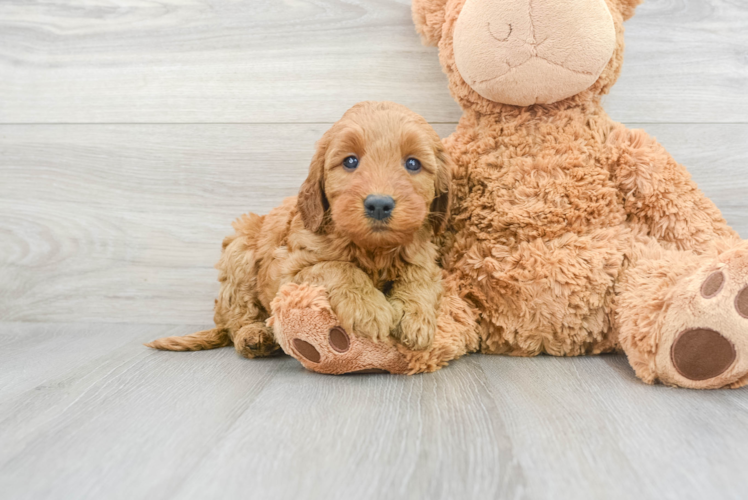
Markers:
point(571, 234)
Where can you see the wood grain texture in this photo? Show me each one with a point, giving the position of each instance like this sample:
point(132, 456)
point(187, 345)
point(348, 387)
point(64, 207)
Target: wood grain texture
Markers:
point(121, 223)
point(108, 418)
point(589, 428)
point(135, 131)
point(197, 61)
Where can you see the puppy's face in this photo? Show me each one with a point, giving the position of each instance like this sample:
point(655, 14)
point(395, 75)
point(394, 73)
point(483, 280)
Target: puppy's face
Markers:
point(380, 174)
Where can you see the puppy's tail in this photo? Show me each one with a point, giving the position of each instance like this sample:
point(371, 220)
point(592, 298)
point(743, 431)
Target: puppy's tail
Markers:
point(207, 339)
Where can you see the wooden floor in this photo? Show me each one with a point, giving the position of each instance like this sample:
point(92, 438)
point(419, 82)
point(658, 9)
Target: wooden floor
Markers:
point(133, 132)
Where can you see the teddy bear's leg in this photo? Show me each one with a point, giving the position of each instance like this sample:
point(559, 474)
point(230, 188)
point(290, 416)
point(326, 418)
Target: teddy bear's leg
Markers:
point(307, 329)
point(682, 317)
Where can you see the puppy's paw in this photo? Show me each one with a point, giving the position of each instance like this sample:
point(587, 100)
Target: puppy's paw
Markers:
point(369, 315)
point(256, 340)
point(374, 322)
point(416, 329)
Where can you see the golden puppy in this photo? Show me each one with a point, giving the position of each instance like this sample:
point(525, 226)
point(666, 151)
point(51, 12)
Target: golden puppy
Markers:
point(361, 227)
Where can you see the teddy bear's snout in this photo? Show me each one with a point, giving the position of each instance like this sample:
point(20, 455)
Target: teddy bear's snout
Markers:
point(543, 51)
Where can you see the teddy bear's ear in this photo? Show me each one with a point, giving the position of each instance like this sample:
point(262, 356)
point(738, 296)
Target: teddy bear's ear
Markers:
point(628, 7)
point(428, 16)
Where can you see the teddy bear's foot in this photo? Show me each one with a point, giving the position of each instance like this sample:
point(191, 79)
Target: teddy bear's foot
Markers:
point(704, 342)
point(306, 328)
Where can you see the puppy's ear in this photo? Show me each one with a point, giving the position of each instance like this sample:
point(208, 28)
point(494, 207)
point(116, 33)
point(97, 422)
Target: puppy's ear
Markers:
point(442, 200)
point(312, 202)
point(428, 16)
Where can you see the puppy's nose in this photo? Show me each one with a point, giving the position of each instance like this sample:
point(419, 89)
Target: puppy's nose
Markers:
point(379, 207)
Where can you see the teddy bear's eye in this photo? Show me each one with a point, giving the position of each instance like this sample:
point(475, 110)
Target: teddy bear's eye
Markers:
point(413, 165)
point(350, 163)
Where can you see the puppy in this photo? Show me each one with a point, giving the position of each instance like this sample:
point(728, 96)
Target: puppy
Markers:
point(361, 227)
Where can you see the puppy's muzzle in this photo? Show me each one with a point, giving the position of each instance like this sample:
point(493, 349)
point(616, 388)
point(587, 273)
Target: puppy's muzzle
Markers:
point(379, 207)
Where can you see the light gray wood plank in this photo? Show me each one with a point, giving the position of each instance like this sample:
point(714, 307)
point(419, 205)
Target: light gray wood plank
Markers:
point(111, 224)
point(212, 61)
point(33, 356)
point(124, 223)
point(135, 423)
point(118, 422)
point(309, 60)
point(686, 62)
point(366, 437)
point(587, 428)
point(122, 421)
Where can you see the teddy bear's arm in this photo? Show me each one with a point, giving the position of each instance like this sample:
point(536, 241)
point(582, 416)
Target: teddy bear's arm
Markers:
point(659, 194)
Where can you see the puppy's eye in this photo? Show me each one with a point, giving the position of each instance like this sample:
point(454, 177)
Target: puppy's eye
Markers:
point(413, 165)
point(350, 163)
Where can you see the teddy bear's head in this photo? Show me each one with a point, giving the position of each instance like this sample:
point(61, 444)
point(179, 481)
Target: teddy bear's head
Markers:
point(525, 52)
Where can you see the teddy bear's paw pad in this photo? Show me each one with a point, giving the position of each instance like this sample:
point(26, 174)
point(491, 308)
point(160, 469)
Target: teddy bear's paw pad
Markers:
point(713, 285)
point(705, 337)
point(338, 339)
point(307, 350)
point(702, 354)
point(741, 303)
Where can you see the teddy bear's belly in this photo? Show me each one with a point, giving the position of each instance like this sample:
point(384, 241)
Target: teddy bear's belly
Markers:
point(538, 247)
point(545, 197)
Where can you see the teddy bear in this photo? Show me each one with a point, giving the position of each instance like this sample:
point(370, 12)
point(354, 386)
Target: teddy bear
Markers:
point(569, 233)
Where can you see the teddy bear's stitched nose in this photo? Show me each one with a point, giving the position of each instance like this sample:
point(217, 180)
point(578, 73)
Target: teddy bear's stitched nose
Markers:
point(379, 207)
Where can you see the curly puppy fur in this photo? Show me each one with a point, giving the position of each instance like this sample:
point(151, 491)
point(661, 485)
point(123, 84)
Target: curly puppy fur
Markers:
point(381, 277)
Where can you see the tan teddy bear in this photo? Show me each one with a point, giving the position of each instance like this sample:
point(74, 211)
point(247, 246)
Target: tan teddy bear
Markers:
point(570, 234)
